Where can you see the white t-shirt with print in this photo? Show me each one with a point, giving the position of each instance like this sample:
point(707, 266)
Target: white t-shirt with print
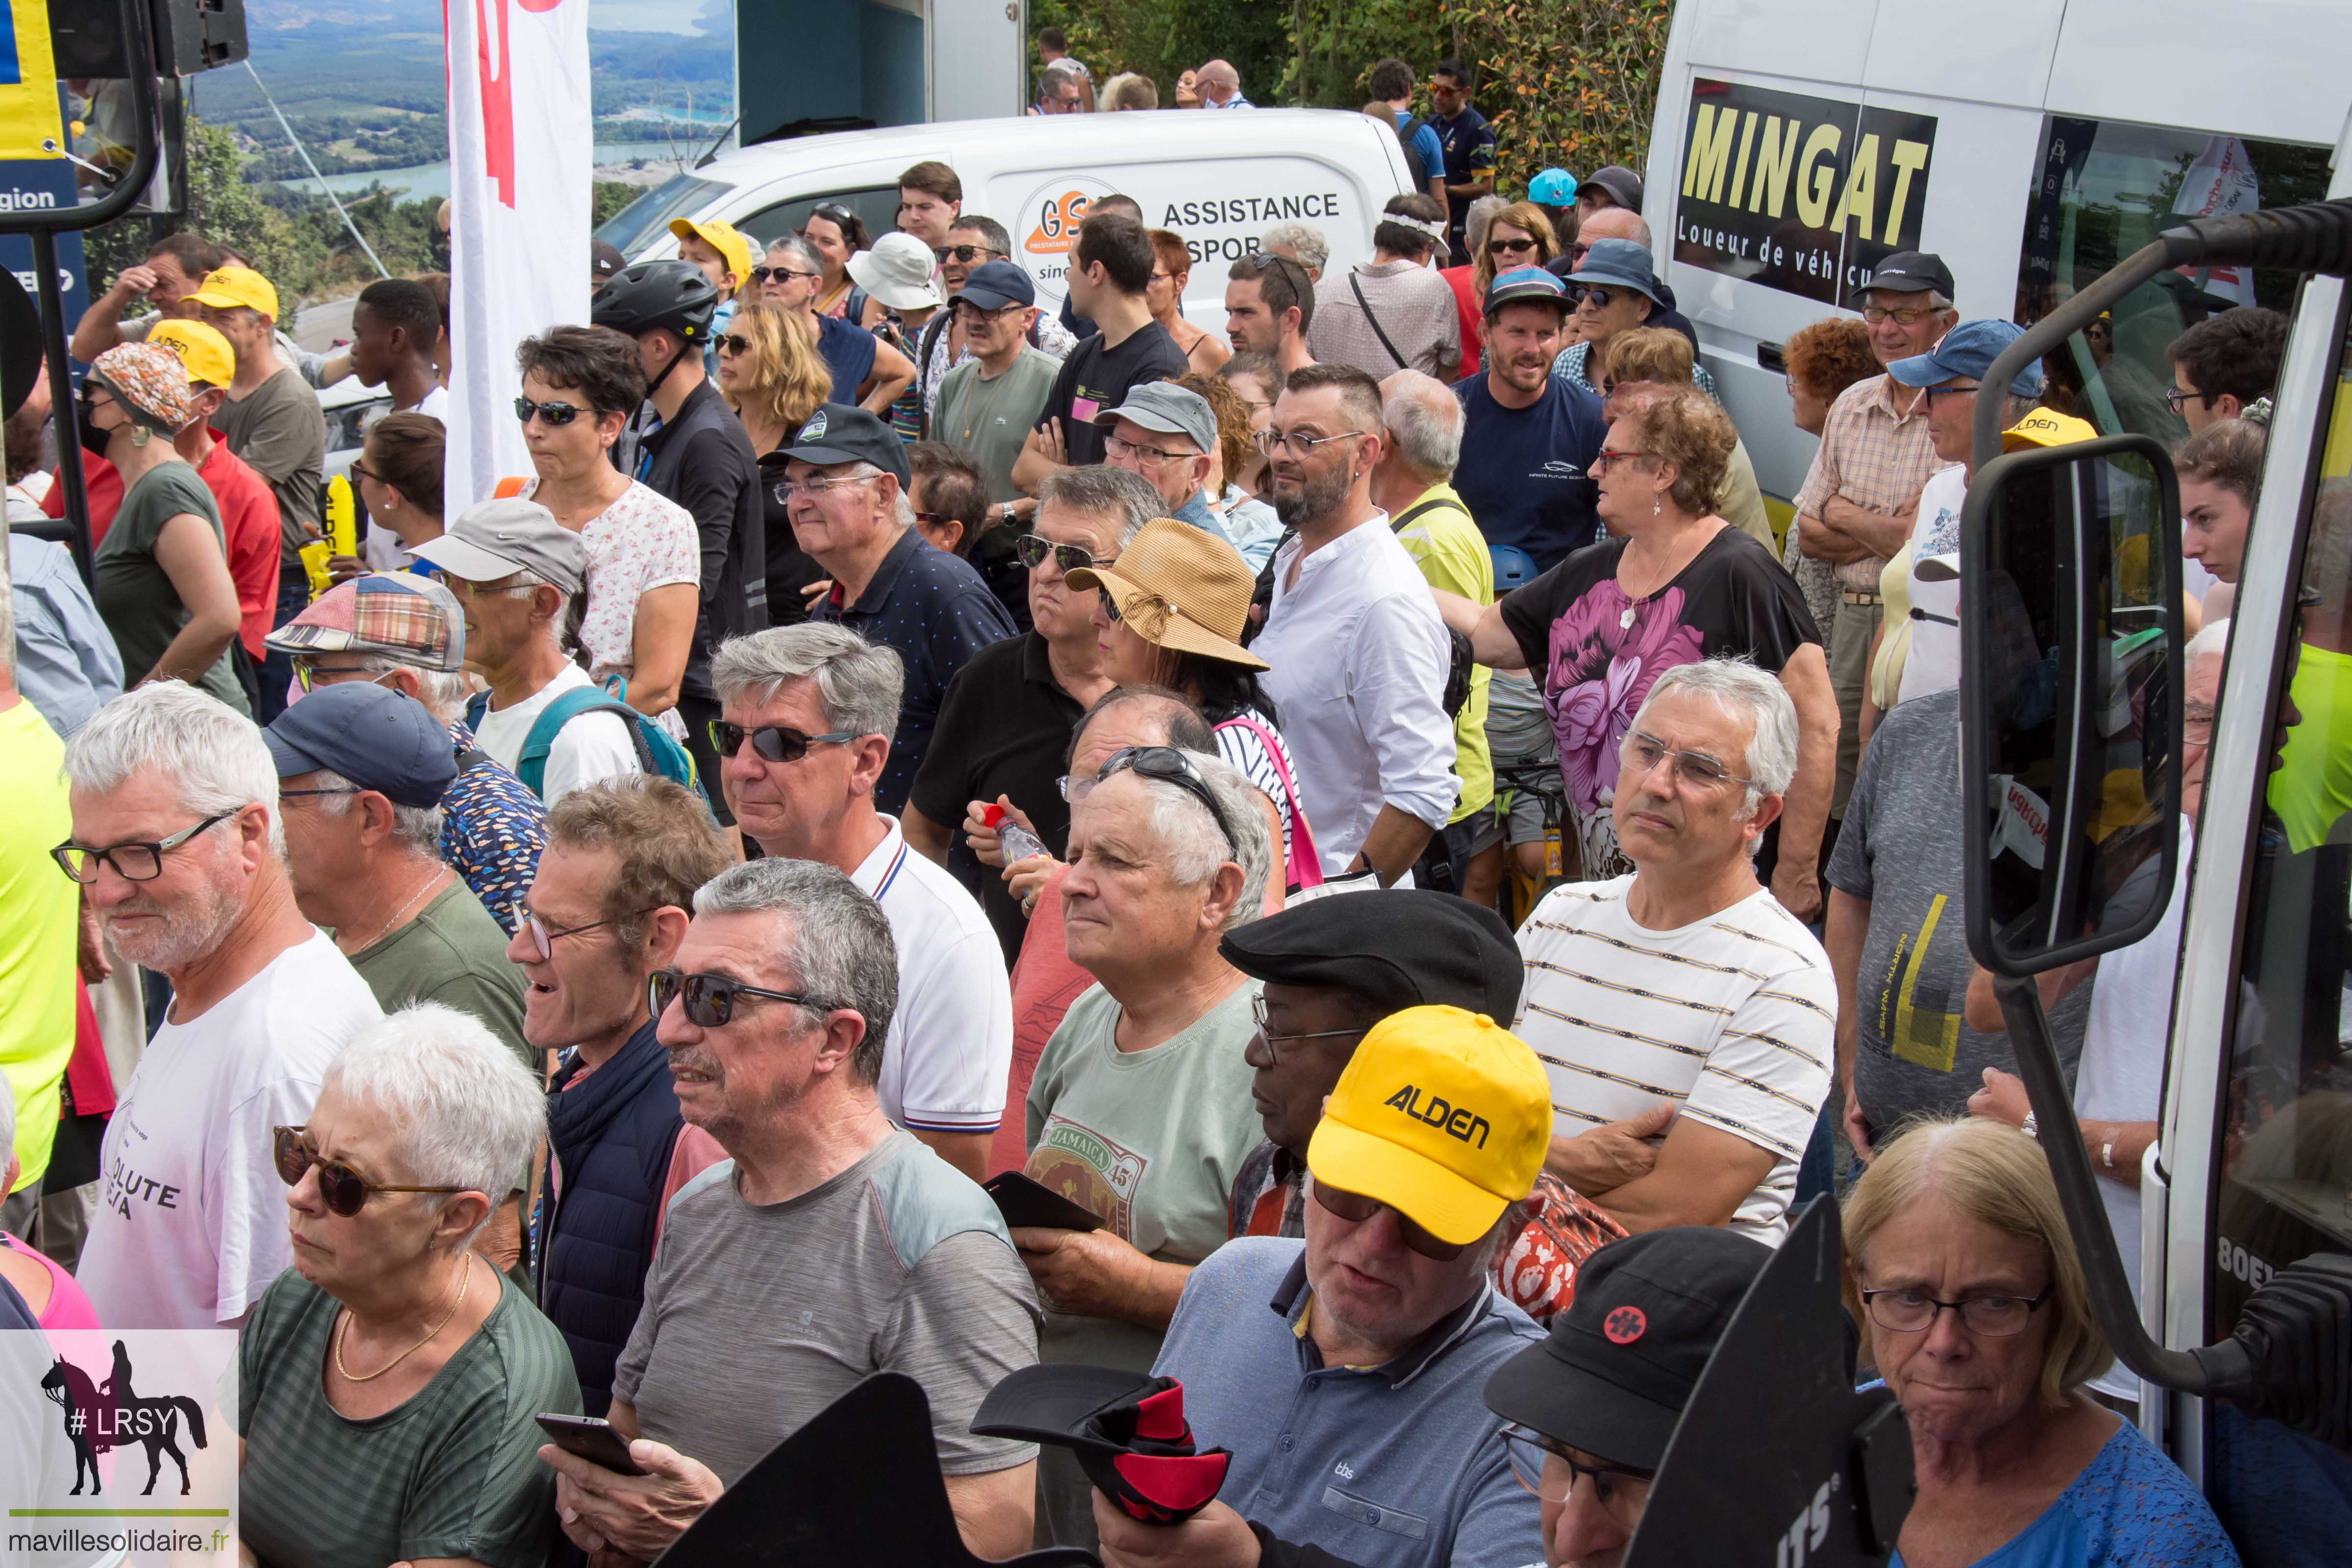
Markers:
point(591, 749)
point(1933, 662)
point(642, 542)
point(1733, 1017)
point(190, 1225)
point(949, 1055)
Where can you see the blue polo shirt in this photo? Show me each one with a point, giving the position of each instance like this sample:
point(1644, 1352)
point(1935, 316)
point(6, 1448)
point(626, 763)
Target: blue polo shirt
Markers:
point(1525, 473)
point(937, 612)
point(1397, 1465)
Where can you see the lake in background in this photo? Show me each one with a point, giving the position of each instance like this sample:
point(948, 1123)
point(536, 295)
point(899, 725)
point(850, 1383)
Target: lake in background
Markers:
point(430, 182)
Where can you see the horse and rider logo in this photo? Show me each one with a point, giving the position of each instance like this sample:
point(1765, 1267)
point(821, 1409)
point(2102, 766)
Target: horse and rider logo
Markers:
point(110, 1414)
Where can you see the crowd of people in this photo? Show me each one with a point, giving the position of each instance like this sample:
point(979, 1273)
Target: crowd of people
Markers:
point(1283, 791)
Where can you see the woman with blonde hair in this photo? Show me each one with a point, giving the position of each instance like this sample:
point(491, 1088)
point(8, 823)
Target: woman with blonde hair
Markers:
point(1519, 235)
point(1663, 356)
point(1972, 1305)
point(772, 375)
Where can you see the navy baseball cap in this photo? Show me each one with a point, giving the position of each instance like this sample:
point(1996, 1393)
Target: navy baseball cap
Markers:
point(1531, 285)
point(840, 433)
point(1966, 350)
point(993, 284)
point(372, 736)
point(1911, 272)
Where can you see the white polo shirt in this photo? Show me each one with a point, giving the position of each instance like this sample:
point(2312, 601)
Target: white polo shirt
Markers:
point(1733, 1017)
point(949, 1053)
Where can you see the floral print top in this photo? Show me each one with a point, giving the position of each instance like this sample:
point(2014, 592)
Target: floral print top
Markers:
point(1596, 651)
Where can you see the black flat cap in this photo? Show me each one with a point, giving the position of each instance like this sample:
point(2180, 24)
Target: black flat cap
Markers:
point(1398, 948)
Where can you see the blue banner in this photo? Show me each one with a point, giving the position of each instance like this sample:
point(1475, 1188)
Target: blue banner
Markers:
point(47, 183)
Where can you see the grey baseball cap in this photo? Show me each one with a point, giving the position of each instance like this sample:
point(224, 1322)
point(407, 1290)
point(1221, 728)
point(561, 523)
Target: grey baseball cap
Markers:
point(497, 538)
point(1169, 409)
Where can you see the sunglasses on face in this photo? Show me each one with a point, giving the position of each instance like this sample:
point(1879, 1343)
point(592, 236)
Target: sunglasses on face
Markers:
point(556, 414)
point(1033, 550)
point(709, 999)
point(1513, 245)
point(779, 274)
point(734, 343)
point(1356, 1208)
point(343, 1190)
point(773, 742)
point(1598, 297)
point(961, 253)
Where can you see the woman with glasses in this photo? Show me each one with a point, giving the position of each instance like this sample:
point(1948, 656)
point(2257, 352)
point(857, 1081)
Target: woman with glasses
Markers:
point(392, 1369)
point(1675, 583)
point(1664, 357)
point(1256, 380)
point(1171, 269)
point(580, 386)
point(1170, 614)
point(398, 477)
point(866, 370)
point(1517, 235)
point(1972, 1305)
point(769, 373)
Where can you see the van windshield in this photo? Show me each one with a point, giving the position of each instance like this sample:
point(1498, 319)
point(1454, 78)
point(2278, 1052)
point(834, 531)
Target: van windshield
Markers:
point(636, 224)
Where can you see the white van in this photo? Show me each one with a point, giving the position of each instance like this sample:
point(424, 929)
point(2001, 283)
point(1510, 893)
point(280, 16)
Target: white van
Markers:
point(1219, 180)
point(1797, 143)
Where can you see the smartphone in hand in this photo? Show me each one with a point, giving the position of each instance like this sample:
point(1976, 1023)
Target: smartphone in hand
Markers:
point(592, 1438)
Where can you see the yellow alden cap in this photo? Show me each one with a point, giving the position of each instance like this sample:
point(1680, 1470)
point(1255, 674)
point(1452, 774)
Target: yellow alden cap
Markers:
point(723, 239)
point(227, 288)
point(201, 348)
point(2044, 427)
point(1442, 1115)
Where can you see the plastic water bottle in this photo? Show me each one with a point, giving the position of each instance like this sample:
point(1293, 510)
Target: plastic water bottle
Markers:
point(1017, 842)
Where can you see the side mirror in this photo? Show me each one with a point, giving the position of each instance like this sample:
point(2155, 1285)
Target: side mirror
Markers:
point(2070, 698)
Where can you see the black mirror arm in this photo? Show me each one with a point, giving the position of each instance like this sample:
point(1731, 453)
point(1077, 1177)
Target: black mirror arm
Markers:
point(2315, 236)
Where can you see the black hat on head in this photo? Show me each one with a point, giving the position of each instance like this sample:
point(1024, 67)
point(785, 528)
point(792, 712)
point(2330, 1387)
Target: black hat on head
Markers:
point(840, 433)
point(1397, 947)
point(1911, 272)
point(1620, 1364)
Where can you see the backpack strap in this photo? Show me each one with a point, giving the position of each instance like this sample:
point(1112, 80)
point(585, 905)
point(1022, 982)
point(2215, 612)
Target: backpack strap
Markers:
point(530, 766)
point(1378, 331)
point(1406, 518)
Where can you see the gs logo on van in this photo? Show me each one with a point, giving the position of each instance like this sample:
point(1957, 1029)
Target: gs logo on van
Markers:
point(1802, 194)
point(1049, 228)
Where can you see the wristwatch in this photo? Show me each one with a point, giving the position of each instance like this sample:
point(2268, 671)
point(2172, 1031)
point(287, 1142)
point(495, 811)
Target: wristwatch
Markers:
point(2027, 1126)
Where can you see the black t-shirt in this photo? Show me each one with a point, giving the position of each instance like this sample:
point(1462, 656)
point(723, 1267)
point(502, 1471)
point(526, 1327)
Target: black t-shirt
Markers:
point(1596, 653)
point(1096, 377)
point(1003, 729)
point(704, 462)
point(790, 568)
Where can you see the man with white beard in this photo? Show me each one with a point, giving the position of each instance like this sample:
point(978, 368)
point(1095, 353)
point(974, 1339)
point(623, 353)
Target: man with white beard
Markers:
point(178, 846)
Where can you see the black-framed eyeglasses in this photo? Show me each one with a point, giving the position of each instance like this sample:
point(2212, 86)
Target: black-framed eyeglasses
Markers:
point(1169, 766)
point(962, 253)
point(1989, 1316)
point(1356, 1208)
point(1116, 447)
point(780, 274)
point(709, 999)
point(1529, 1450)
point(1266, 1031)
point(733, 343)
point(556, 414)
point(1034, 550)
point(1642, 754)
point(2178, 401)
point(771, 743)
point(1299, 445)
point(343, 1190)
point(1933, 393)
point(131, 862)
point(361, 471)
point(543, 938)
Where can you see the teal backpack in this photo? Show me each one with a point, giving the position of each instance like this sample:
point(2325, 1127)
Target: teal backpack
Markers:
point(658, 752)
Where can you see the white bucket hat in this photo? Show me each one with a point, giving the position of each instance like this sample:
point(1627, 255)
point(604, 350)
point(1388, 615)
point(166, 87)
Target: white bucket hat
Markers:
point(897, 271)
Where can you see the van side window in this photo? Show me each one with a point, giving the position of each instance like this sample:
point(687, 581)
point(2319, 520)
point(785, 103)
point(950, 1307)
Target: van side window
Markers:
point(2104, 189)
point(877, 206)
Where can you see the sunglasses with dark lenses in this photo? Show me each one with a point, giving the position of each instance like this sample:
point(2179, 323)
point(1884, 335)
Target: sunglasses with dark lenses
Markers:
point(556, 414)
point(709, 999)
point(965, 253)
point(840, 215)
point(1168, 765)
point(733, 343)
point(780, 274)
point(774, 743)
point(1034, 549)
point(1510, 244)
point(1356, 1208)
point(343, 1190)
point(1602, 298)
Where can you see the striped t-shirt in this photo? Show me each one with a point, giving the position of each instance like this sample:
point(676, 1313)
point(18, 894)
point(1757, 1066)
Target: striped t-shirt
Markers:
point(1734, 1017)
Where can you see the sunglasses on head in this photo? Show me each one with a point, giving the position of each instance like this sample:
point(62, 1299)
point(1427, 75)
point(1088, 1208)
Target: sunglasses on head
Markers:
point(343, 1190)
point(840, 215)
point(775, 743)
point(1356, 1208)
point(556, 414)
point(1168, 765)
point(709, 999)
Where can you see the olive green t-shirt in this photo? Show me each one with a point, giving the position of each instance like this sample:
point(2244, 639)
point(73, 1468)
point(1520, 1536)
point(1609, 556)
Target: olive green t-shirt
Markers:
point(453, 1472)
point(452, 952)
point(134, 594)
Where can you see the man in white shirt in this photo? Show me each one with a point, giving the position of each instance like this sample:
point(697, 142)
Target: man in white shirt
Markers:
point(1686, 984)
point(806, 717)
point(1358, 654)
point(177, 841)
point(514, 569)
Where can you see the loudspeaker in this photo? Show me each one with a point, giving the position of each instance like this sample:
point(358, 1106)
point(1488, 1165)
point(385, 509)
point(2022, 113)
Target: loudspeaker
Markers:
point(190, 35)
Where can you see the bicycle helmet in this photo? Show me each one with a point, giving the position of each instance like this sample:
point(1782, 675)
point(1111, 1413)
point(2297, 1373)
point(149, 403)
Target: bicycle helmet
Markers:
point(673, 294)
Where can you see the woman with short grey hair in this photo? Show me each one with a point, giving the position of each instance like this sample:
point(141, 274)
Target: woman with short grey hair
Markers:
point(393, 1369)
point(1141, 1107)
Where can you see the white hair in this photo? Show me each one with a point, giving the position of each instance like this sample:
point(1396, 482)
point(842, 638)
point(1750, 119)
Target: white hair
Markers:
point(443, 691)
point(838, 948)
point(1425, 417)
point(858, 683)
point(2210, 642)
point(464, 1110)
point(1305, 242)
point(210, 753)
point(1744, 691)
point(418, 828)
point(1473, 222)
point(1196, 848)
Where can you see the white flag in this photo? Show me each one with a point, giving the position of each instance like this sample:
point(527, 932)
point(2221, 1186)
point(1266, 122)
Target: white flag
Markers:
point(520, 129)
point(2222, 182)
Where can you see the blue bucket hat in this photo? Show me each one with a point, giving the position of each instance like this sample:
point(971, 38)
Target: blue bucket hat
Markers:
point(1966, 350)
point(1619, 264)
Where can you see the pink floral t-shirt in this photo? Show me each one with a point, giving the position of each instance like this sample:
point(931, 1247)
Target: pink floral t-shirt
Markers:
point(639, 542)
point(1597, 651)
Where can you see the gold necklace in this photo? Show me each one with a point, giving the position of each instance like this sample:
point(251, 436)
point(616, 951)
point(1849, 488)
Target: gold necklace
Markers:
point(464, 1280)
